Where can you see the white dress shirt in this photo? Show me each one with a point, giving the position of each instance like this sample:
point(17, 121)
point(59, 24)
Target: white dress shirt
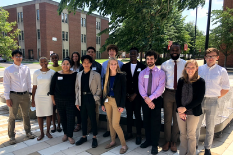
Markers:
point(133, 66)
point(168, 68)
point(216, 79)
point(17, 79)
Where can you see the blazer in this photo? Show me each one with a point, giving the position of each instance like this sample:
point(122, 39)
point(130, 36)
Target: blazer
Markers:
point(198, 95)
point(94, 84)
point(132, 81)
point(119, 89)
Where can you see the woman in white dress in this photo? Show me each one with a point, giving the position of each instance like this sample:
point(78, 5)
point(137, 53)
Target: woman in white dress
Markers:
point(40, 96)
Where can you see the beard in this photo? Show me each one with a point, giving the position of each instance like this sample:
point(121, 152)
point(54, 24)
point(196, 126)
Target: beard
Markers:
point(175, 57)
point(150, 64)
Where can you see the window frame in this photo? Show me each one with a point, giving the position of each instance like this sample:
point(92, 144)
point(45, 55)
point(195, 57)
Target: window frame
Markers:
point(38, 34)
point(67, 35)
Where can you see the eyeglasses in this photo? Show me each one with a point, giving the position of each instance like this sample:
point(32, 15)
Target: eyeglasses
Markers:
point(213, 56)
point(18, 57)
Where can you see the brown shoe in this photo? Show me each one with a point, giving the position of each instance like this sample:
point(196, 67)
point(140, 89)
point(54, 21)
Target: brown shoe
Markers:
point(173, 147)
point(110, 146)
point(166, 146)
point(122, 150)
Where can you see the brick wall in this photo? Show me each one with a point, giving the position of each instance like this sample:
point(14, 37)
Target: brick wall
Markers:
point(104, 25)
point(74, 33)
point(30, 36)
point(91, 31)
point(229, 4)
point(50, 25)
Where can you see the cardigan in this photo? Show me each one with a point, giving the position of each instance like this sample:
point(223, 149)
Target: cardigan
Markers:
point(198, 96)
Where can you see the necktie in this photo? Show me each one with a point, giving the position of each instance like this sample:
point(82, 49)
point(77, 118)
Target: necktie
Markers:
point(175, 75)
point(149, 83)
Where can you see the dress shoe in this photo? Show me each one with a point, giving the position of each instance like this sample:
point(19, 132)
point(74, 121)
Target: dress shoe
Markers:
point(110, 146)
point(30, 135)
point(12, 141)
point(138, 140)
point(173, 147)
point(207, 152)
point(94, 143)
point(154, 150)
point(166, 146)
point(106, 134)
point(123, 150)
point(81, 141)
point(145, 144)
point(128, 136)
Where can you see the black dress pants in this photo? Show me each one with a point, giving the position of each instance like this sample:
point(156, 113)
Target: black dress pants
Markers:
point(88, 109)
point(66, 109)
point(134, 107)
point(78, 114)
point(152, 121)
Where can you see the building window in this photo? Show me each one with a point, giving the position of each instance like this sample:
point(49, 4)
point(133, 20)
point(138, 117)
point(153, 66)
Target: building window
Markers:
point(98, 25)
point(38, 33)
point(84, 38)
point(22, 35)
point(21, 13)
point(66, 36)
point(37, 14)
point(67, 53)
point(84, 22)
point(38, 54)
point(66, 18)
point(62, 17)
point(81, 21)
point(23, 52)
point(63, 35)
point(18, 16)
point(64, 53)
point(97, 40)
point(98, 54)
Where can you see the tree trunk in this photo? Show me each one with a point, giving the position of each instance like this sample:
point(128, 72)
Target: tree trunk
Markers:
point(141, 56)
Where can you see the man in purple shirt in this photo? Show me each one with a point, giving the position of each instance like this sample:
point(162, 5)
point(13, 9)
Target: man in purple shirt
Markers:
point(151, 91)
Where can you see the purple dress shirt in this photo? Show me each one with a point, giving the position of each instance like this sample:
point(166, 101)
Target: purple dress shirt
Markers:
point(158, 82)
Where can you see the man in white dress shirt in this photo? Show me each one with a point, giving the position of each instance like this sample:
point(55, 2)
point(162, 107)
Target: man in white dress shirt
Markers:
point(173, 69)
point(217, 85)
point(17, 88)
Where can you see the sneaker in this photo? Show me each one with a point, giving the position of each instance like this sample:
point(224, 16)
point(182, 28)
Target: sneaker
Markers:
point(12, 141)
point(30, 135)
point(207, 152)
point(94, 143)
point(81, 141)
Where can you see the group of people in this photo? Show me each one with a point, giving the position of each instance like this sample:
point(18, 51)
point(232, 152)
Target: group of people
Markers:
point(186, 92)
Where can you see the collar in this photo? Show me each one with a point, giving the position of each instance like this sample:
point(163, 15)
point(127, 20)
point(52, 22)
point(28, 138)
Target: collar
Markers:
point(176, 60)
point(17, 65)
point(153, 69)
point(212, 67)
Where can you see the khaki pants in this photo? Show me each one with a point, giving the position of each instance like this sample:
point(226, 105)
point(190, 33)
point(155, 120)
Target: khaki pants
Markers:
point(114, 117)
point(97, 119)
point(188, 134)
point(24, 102)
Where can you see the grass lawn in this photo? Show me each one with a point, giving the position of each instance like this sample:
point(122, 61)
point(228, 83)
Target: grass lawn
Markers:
point(2, 67)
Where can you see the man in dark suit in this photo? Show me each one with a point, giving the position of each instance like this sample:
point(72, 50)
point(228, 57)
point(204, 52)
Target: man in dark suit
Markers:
point(133, 99)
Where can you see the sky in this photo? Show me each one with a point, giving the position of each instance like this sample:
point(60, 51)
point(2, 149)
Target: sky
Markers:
point(191, 14)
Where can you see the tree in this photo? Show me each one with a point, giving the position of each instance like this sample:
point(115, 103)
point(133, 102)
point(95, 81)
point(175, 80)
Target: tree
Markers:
point(223, 33)
point(7, 35)
point(142, 21)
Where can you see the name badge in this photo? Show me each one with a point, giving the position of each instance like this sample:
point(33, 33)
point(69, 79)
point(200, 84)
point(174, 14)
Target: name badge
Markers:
point(106, 100)
point(139, 70)
point(60, 78)
point(94, 68)
point(16, 73)
point(146, 76)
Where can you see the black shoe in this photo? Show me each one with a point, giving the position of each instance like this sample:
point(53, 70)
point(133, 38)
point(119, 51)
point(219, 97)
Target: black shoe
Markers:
point(138, 140)
point(196, 147)
point(106, 134)
point(128, 136)
point(145, 144)
point(207, 152)
point(116, 136)
point(94, 143)
point(81, 141)
point(154, 150)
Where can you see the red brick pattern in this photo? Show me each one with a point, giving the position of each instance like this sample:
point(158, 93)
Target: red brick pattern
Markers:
point(50, 25)
point(30, 36)
point(91, 30)
point(74, 33)
point(104, 25)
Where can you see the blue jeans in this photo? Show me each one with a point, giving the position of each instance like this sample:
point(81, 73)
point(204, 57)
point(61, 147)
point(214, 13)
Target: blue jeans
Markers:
point(209, 109)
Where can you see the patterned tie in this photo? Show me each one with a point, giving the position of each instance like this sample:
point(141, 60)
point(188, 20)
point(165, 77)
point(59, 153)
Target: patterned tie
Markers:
point(149, 83)
point(175, 75)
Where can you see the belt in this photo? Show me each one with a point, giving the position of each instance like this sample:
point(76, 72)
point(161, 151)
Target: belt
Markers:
point(19, 93)
point(85, 93)
point(111, 96)
point(171, 90)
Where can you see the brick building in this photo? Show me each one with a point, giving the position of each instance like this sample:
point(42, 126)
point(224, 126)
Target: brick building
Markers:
point(229, 4)
point(43, 31)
